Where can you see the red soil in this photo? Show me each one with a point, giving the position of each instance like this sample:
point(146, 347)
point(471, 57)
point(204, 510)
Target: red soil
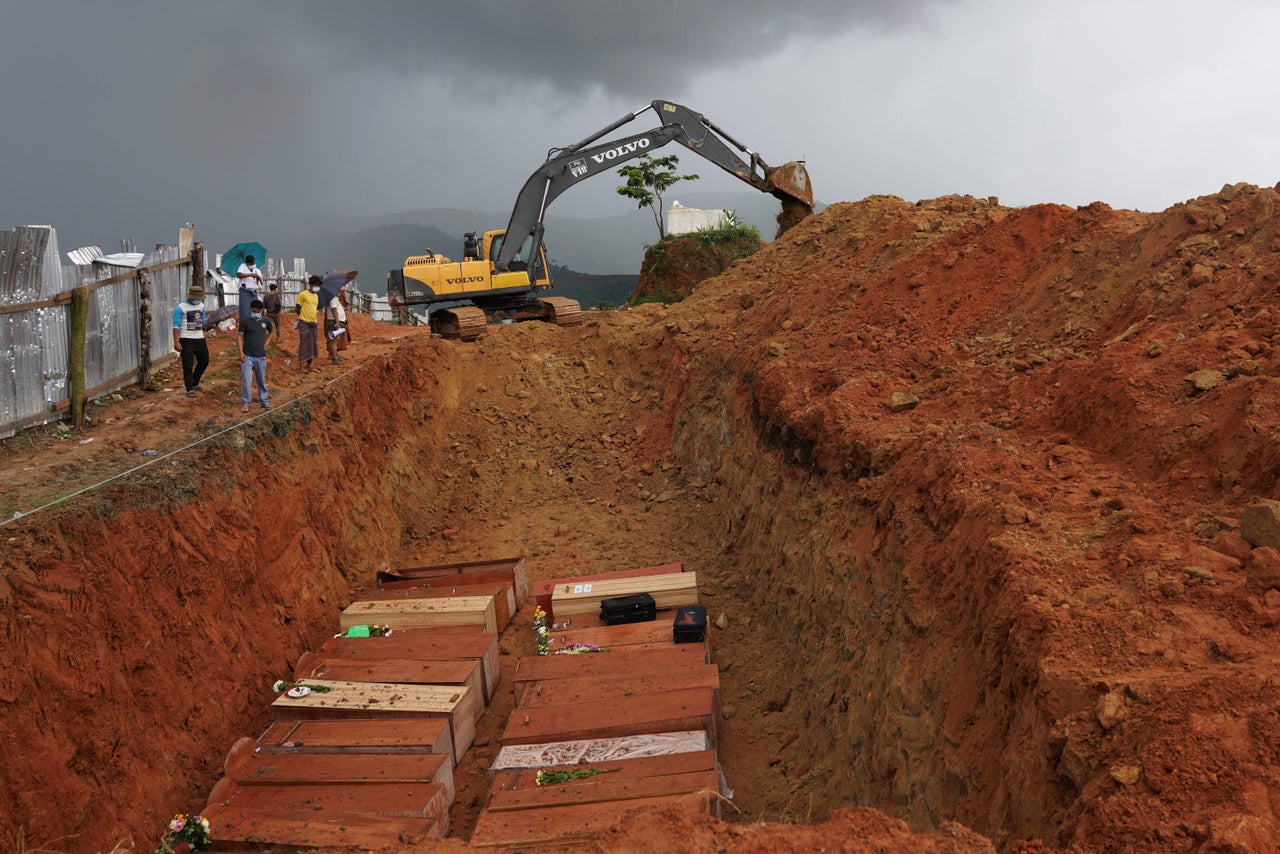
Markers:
point(974, 532)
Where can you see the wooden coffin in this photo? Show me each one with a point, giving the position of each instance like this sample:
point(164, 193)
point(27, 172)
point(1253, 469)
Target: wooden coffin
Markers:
point(598, 750)
point(543, 591)
point(617, 686)
point(423, 645)
point(248, 767)
point(633, 637)
point(313, 800)
point(424, 613)
point(266, 830)
point(535, 668)
point(667, 711)
point(421, 735)
point(583, 597)
point(507, 569)
point(512, 779)
point(452, 671)
point(557, 824)
point(451, 587)
point(356, 700)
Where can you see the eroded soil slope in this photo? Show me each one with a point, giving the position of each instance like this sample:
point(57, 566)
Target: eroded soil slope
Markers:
point(974, 531)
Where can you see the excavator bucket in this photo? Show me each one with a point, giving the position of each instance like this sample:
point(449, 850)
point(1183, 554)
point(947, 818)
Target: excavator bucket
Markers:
point(791, 181)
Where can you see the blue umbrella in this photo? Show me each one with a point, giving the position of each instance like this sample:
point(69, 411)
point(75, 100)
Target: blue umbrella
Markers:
point(234, 257)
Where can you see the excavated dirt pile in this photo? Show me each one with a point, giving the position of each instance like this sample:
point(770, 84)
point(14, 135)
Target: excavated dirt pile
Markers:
point(984, 496)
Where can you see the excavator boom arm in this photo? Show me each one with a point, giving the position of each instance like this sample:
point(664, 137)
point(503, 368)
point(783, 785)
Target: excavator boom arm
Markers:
point(567, 166)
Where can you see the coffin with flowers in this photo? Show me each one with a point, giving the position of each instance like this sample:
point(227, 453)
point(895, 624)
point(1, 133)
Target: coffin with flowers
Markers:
point(424, 613)
point(453, 671)
point(632, 636)
point(285, 831)
point(335, 700)
point(422, 645)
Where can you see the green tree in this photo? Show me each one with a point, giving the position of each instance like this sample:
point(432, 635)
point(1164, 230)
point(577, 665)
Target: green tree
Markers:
point(648, 179)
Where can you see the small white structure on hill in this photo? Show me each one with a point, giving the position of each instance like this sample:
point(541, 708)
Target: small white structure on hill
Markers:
point(682, 220)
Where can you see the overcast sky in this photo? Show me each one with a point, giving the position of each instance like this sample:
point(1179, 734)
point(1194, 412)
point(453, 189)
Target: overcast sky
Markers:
point(127, 118)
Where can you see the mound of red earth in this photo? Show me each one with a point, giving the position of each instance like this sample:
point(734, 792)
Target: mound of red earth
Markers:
point(984, 496)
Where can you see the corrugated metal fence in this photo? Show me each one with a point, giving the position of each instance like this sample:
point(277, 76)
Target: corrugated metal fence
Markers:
point(43, 376)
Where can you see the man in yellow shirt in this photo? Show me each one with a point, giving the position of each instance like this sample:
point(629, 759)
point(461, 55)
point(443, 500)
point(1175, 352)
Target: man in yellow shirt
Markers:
point(308, 302)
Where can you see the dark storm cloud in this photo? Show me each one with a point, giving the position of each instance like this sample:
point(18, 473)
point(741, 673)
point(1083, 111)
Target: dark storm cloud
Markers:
point(645, 49)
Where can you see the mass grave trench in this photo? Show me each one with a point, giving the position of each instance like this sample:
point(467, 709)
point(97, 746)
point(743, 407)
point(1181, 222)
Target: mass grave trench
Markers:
point(838, 650)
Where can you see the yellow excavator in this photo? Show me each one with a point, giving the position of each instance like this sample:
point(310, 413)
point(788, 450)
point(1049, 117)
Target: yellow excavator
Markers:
point(503, 280)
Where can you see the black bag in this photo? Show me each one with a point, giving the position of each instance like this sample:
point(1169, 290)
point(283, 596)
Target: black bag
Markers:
point(690, 624)
point(636, 608)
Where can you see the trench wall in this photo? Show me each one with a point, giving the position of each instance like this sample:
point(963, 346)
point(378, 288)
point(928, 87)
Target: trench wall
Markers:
point(141, 626)
point(891, 596)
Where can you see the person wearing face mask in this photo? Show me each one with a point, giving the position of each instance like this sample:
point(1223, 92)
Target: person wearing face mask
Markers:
point(249, 278)
point(252, 344)
point(308, 303)
point(188, 338)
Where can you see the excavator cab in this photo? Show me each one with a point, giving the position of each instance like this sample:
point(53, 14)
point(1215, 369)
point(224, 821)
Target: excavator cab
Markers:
point(538, 276)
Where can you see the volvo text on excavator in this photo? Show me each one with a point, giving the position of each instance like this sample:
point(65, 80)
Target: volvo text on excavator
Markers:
point(503, 279)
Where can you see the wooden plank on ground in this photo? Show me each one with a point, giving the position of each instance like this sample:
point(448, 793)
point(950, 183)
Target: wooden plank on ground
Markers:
point(307, 768)
point(453, 671)
point(560, 753)
point(272, 830)
point(575, 821)
point(423, 613)
point(620, 685)
point(667, 711)
point(503, 594)
point(668, 591)
point(310, 800)
point(423, 645)
point(511, 779)
point(543, 591)
point(631, 636)
point(355, 700)
point(422, 735)
point(510, 568)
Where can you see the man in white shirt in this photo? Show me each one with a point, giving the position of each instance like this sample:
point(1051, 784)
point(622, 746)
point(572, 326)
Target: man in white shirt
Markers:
point(250, 280)
point(335, 325)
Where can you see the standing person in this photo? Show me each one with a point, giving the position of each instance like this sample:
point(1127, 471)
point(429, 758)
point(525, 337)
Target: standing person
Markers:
point(252, 344)
point(250, 279)
point(188, 338)
point(272, 302)
point(308, 303)
point(335, 324)
point(344, 340)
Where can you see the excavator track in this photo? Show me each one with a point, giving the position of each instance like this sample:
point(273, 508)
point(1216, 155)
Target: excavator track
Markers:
point(463, 323)
point(564, 311)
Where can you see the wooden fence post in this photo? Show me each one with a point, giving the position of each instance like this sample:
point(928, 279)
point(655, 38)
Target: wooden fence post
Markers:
point(79, 327)
point(144, 329)
point(197, 268)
